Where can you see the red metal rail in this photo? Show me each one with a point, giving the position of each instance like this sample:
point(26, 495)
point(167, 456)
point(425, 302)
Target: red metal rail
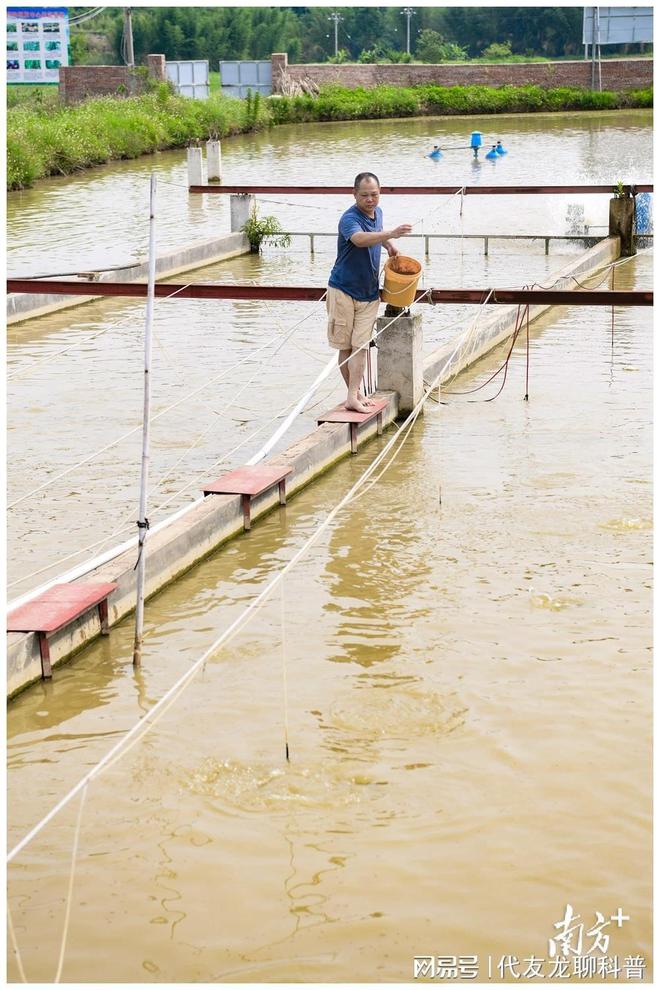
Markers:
point(313, 293)
point(420, 190)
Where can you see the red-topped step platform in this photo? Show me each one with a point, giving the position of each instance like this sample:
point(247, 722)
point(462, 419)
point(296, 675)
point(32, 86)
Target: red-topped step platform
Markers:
point(58, 607)
point(250, 481)
point(340, 414)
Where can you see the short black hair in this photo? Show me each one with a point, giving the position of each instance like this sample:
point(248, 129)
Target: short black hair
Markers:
point(360, 178)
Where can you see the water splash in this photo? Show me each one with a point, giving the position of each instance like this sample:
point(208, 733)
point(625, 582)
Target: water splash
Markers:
point(252, 788)
point(541, 599)
point(626, 524)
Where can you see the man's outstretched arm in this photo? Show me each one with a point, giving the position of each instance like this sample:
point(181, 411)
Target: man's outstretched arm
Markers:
point(362, 239)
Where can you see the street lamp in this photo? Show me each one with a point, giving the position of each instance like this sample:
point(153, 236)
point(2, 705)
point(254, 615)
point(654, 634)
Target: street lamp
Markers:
point(408, 13)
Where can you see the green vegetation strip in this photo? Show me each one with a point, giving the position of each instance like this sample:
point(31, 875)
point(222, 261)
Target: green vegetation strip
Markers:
point(46, 138)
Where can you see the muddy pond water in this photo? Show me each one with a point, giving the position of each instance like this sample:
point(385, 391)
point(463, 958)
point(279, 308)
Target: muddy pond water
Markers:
point(466, 648)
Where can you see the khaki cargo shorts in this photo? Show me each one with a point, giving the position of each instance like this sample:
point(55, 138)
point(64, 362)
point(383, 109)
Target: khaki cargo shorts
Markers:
point(350, 322)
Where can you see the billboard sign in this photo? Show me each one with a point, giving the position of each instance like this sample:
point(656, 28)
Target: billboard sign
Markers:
point(617, 25)
point(37, 43)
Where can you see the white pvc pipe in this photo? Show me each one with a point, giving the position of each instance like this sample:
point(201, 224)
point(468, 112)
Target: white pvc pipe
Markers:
point(146, 426)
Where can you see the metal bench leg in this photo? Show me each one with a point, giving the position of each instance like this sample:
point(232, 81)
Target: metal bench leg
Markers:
point(44, 649)
point(245, 499)
point(379, 423)
point(282, 488)
point(103, 616)
point(353, 438)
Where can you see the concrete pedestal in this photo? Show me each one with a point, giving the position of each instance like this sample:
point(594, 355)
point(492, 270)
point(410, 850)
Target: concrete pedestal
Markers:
point(194, 158)
point(400, 359)
point(213, 161)
point(240, 208)
point(622, 217)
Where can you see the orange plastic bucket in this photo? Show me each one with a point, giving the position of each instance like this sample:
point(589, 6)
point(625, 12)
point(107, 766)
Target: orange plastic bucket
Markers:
point(399, 290)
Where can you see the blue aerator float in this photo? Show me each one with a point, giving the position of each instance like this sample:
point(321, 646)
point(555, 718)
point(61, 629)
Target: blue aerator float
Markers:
point(476, 140)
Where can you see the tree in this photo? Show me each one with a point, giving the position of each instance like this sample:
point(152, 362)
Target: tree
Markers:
point(306, 34)
point(432, 47)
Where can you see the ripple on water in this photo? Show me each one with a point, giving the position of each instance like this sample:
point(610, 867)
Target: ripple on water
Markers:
point(405, 714)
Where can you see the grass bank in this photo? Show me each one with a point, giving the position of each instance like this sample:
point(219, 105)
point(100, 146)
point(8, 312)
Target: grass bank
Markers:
point(46, 138)
point(337, 103)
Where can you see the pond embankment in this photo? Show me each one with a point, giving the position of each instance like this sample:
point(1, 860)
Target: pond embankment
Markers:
point(47, 138)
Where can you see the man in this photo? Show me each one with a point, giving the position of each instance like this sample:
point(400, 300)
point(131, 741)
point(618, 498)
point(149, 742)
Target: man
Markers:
point(353, 293)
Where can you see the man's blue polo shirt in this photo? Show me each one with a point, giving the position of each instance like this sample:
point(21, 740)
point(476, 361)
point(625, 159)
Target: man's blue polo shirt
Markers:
point(356, 269)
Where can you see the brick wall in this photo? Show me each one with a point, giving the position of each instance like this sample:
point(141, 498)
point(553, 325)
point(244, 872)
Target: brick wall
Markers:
point(78, 82)
point(617, 74)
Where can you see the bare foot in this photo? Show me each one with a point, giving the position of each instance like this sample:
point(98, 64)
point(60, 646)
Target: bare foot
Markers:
point(356, 406)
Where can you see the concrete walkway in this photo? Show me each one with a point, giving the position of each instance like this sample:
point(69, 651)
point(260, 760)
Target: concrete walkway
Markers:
point(218, 518)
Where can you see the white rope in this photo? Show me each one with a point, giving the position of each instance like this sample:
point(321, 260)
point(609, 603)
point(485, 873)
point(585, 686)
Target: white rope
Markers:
point(464, 351)
point(122, 527)
point(285, 691)
point(404, 436)
point(302, 402)
point(589, 275)
point(441, 206)
point(69, 896)
point(97, 543)
point(119, 325)
point(122, 524)
point(286, 202)
point(53, 354)
point(280, 344)
point(14, 943)
point(148, 721)
point(136, 429)
point(84, 569)
point(109, 555)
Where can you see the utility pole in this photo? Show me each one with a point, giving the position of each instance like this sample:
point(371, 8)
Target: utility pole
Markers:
point(595, 50)
point(128, 34)
point(409, 13)
point(336, 17)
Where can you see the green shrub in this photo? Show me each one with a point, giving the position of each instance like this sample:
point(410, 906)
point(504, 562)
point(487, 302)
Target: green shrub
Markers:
point(432, 47)
point(264, 230)
point(497, 51)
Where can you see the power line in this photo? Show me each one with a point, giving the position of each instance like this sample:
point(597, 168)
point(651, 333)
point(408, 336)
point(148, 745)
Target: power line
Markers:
point(86, 17)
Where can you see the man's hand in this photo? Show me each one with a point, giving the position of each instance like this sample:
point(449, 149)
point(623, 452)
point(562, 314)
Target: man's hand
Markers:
point(401, 230)
point(392, 250)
